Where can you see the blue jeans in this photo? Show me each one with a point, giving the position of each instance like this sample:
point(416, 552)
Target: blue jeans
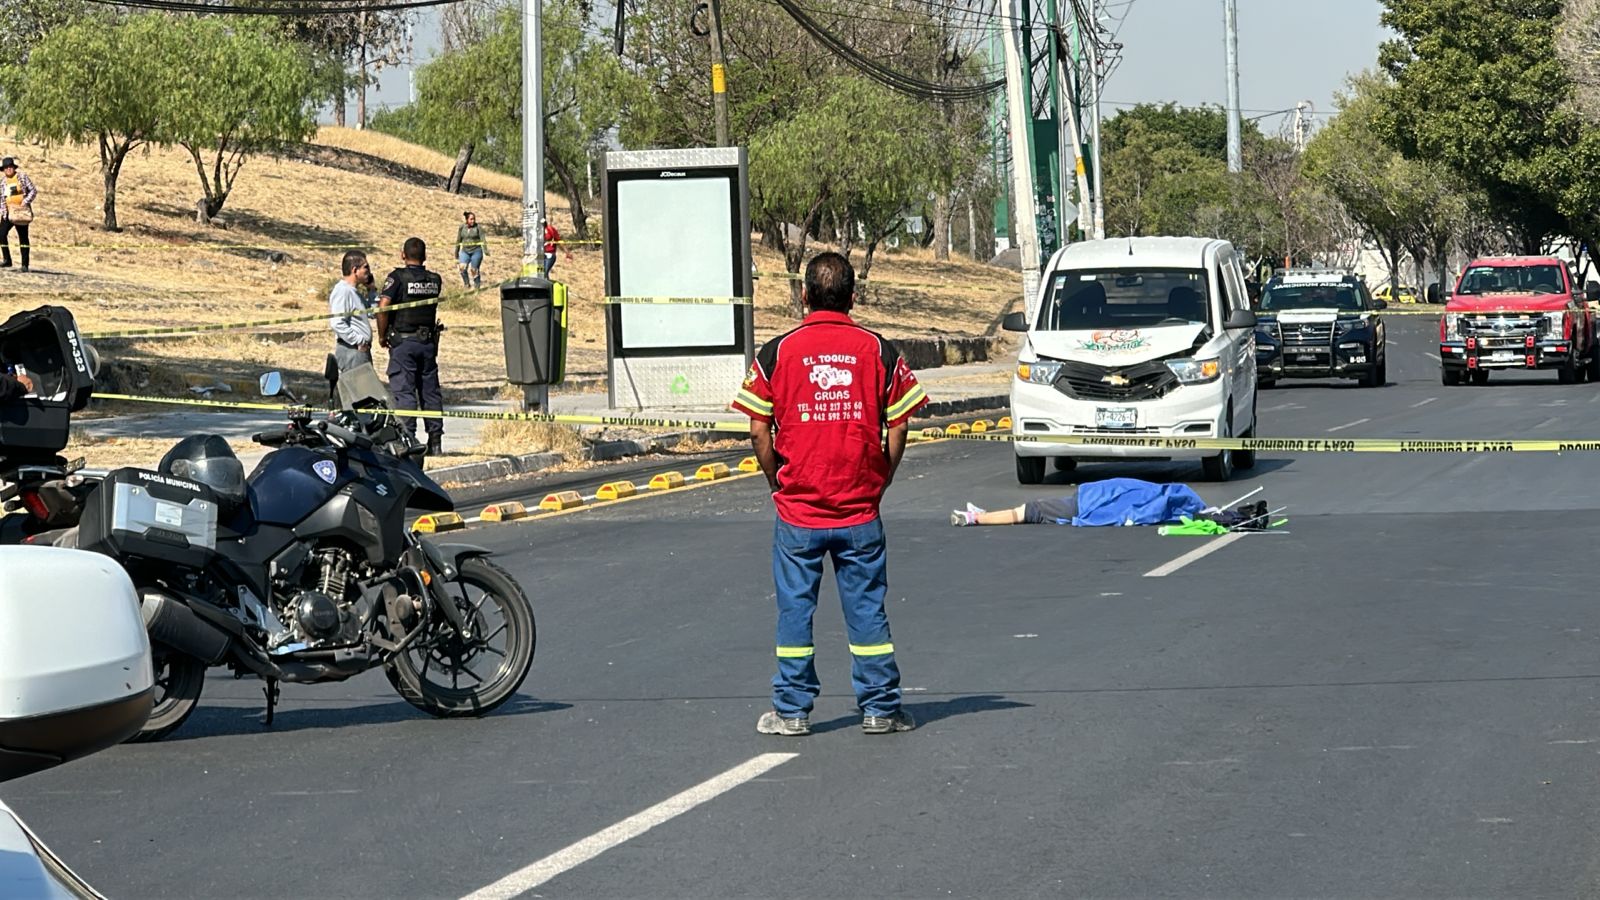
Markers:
point(472, 260)
point(549, 264)
point(860, 567)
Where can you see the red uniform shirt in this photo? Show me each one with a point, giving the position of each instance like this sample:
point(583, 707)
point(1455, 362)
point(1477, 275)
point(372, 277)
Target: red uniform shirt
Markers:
point(551, 235)
point(830, 387)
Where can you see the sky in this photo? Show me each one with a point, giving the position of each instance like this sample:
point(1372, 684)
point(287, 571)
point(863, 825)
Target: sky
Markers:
point(1289, 50)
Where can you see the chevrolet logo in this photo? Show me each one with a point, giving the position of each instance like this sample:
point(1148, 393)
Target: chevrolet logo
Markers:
point(1116, 380)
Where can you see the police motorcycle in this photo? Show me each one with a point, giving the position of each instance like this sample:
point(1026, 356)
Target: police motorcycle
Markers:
point(305, 571)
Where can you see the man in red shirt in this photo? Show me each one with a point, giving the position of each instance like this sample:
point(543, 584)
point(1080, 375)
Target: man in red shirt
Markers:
point(829, 404)
point(551, 236)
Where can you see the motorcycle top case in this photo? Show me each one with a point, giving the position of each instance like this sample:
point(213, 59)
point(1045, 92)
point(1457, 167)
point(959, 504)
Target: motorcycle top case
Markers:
point(46, 345)
point(136, 513)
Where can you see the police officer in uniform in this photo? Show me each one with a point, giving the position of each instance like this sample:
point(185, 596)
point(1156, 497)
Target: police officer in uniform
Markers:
point(412, 336)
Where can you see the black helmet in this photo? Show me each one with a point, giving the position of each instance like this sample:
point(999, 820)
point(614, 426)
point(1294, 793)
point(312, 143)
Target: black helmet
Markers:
point(208, 459)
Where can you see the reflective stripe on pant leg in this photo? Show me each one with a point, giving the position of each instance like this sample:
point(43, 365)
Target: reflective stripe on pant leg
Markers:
point(797, 576)
point(860, 563)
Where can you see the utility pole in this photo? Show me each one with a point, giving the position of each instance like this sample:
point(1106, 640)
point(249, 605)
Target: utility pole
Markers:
point(1302, 124)
point(1019, 87)
point(719, 73)
point(533, 211)
point(1230, 25)
point(1096, 73)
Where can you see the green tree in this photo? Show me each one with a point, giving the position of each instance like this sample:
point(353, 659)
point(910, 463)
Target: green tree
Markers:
point(243, 92)
point(893, 166)
point(1477, 88)
point(99, 82)
point(24, 23)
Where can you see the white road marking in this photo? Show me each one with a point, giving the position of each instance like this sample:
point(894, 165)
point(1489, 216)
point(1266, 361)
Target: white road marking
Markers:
point(1547, 422)
point(1283, 406)
point(1423, 403)
point(1365, 748)
point(535, 874)
point(1433, 357)
point(1226, 760)
point(1573, 742)
point(1348, 425)
point(1496, 821)
point(1198, 553)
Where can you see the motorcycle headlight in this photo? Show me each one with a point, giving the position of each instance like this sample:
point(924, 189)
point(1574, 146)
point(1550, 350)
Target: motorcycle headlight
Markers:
point(1195, 371)
point(1041, 372)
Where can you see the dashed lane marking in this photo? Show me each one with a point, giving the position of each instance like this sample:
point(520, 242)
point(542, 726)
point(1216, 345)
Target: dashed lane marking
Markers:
point(1423, 403)
point(535, 874)
point(1348, 425)
point(1198, 553)
point(1433, 356)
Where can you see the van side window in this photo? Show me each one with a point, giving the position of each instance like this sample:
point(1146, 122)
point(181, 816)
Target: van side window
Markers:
point(1232, 288)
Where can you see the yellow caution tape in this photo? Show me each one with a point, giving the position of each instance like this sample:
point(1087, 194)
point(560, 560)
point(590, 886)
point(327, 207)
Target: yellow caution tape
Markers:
point(677, 301)
point(171, 330)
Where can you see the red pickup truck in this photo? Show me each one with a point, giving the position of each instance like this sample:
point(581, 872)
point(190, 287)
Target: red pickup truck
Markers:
point(1518, 312)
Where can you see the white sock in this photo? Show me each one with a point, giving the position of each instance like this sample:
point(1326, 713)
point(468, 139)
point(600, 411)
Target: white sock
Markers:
point(972, 514)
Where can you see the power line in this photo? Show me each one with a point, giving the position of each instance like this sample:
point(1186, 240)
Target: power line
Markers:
point(884, 75)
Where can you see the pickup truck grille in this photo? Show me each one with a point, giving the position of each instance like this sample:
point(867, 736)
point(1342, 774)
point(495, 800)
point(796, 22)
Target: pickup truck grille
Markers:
point(1512, 330)
point(1122, 384)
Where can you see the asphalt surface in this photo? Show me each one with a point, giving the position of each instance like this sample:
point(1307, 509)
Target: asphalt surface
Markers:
point(1397, 698)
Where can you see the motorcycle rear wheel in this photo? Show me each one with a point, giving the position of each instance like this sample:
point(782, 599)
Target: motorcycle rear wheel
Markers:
point(430, 673)
point(179, 680)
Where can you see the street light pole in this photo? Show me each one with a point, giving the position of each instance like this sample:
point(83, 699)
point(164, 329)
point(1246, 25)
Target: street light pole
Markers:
point(1230, 24)
point(533, 211)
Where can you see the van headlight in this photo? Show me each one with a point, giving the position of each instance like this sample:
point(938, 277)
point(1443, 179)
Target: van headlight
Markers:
point(1195, 371)
point(1040, 372)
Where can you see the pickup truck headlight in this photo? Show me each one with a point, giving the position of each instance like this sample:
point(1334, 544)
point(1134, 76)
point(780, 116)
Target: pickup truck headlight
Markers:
point(1556, 323)
point(1041, 372)
point(1195, 371)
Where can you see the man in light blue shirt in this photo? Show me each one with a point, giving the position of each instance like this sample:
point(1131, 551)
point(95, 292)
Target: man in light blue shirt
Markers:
point(351, 328)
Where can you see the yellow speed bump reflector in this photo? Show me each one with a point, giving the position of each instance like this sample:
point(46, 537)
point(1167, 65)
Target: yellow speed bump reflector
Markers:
point(666, 481)
point(615, 490)
point(561, 500)
point(503, 512)
point(957, 428)
point(711, 472)
point(1004, 424)
point(433, 523)
point(749, 464)
point(932, 432)
point(981, 426)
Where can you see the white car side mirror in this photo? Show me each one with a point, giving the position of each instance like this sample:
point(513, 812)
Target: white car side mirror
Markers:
point(75, 674)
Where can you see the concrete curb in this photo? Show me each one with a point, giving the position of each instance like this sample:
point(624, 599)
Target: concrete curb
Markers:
point(608, 451)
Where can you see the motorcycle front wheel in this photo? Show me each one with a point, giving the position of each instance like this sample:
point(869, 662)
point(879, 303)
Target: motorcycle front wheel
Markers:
point(449, 676)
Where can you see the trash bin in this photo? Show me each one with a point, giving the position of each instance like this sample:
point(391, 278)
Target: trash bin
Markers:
point(533, 316)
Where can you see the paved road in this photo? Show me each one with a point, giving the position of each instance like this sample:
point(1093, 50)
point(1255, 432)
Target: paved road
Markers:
point(1398, 698)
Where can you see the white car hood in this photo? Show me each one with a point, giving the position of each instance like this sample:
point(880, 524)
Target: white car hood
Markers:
point(1115, 347)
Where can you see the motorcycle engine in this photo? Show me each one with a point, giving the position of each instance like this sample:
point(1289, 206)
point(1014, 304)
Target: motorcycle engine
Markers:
point(320, 613)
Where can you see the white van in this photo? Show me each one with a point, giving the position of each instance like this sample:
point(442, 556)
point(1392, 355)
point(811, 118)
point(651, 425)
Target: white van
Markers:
point(1136, 337)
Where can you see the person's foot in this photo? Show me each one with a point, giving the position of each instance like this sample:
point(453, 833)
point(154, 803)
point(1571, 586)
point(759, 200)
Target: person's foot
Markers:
point(24, 267)
point(958, 518)
point(5, 265)
point(772, 723)
point(969, 517)
point(899, 720)
point(435, 445)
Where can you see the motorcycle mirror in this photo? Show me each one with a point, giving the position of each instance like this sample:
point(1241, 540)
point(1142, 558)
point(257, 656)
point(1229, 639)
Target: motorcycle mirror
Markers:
point(94, 632)
point(271, 384)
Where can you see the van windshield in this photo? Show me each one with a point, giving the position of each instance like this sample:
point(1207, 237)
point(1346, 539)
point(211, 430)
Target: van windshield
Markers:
point(1081, 300)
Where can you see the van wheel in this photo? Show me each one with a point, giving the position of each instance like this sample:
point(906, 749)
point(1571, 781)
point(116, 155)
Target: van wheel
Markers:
point(1030, 470)
point(1066, 464)
point(1244, 460)
point(1220, 467)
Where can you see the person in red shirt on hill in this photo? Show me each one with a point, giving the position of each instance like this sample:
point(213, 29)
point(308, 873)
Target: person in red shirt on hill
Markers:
point(829, 404)
point(551, 236)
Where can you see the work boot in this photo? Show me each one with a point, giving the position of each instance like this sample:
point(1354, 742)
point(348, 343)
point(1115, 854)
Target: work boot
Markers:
point(899, 720)
point(772, 723)
point(435, 445)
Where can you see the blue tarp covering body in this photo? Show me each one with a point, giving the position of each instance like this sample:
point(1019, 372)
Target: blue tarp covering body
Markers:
point(1129, 501)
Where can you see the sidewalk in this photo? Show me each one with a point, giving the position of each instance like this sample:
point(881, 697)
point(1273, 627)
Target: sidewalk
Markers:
point(951, 389)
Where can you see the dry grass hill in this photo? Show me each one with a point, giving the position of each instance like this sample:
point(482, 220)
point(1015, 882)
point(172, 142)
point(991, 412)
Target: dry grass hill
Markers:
point(289, 220)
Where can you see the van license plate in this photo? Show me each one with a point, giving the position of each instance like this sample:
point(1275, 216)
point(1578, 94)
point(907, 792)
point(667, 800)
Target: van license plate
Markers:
point(1116, 417)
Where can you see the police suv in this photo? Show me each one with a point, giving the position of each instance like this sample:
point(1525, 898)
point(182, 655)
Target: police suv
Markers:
point(1319, 323)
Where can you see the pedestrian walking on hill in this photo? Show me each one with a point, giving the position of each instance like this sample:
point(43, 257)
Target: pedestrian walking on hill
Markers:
point(829, 404)
point(551, 238)
point(471, 248)
point(16, 211)
point(412, 336)
point(352, 330)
